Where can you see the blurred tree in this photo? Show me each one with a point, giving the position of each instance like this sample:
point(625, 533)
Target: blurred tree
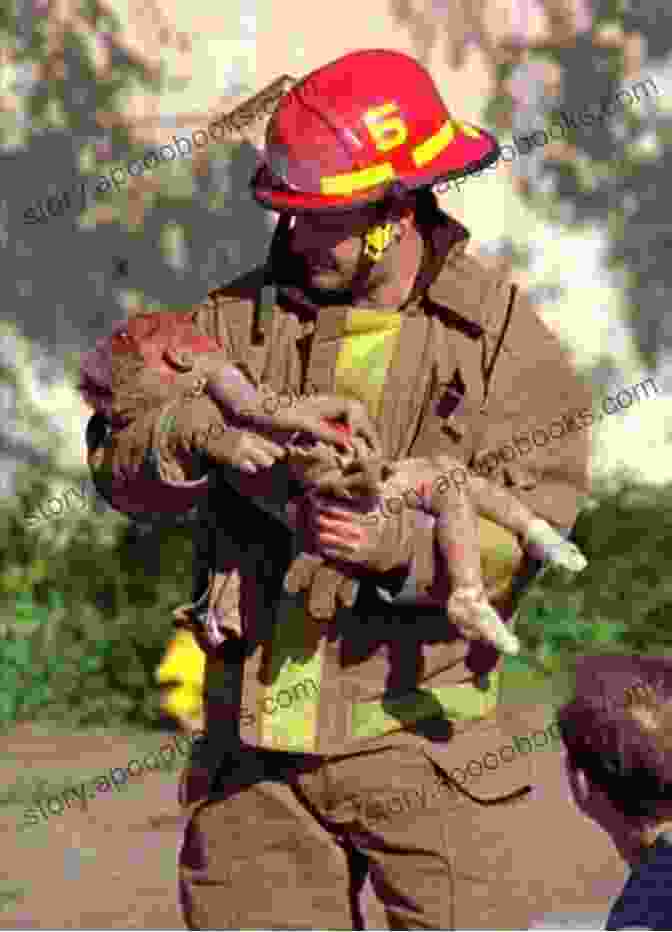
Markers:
point(621, 601)
point(85, 613)
point(610, 169)
point(68, 75)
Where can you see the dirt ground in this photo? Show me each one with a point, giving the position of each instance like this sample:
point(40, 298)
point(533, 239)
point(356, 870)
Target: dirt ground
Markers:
point(113, 865)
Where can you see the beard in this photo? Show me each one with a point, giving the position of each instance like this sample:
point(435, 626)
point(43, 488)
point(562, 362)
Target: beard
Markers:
point(332, 292)
point(329, 296)
point(334, 289)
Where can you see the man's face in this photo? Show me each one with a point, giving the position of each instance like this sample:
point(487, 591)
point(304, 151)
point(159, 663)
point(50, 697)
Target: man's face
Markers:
point(596, 805)
point(330, 247)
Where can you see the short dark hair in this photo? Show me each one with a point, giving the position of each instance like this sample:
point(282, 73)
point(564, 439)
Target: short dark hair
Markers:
point(618, 729)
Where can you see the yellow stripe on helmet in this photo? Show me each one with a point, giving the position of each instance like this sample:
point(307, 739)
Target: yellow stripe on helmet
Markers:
point(350, 182)
point(429, 149)
point(433, 146)
point(468, 129)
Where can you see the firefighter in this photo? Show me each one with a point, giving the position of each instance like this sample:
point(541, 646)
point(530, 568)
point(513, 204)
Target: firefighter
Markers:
point(368, 292)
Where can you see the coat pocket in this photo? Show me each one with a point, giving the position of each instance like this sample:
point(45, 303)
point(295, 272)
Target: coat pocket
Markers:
point(491, 761)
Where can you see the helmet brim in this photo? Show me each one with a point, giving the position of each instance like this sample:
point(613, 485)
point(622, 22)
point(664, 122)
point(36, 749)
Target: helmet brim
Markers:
point(464, 156)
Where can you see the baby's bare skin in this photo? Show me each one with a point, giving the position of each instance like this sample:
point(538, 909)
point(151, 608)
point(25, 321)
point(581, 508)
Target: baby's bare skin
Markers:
point(456, 508)
point(233, 388)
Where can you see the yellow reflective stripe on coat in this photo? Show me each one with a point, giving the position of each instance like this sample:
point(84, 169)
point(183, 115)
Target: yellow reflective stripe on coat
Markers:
point(296, 653)
point(461, 702)
point(368, 344)
point(288, 710)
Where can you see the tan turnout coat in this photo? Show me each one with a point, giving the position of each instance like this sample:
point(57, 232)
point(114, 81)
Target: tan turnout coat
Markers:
point(474, 368)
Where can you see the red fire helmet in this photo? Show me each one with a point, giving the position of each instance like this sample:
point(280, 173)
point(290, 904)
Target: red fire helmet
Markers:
point(350, 132)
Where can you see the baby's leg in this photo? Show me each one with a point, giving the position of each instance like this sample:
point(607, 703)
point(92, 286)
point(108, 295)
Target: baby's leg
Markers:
point(538, 538)
point(468, 607)
point(457, 509)
point(459, 545)
point(489, 500)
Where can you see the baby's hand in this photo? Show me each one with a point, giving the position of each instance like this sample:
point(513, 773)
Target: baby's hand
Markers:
point(343, 475)
point(314, 414)
point(417, 480)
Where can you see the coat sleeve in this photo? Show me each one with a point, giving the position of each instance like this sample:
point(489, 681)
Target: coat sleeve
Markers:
point(534, 442)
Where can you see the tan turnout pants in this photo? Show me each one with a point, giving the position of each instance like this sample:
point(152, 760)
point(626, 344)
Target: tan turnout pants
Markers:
point(290, 841)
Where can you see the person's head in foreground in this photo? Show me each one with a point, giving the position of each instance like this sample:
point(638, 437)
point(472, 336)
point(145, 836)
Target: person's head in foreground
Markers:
point(617, 731)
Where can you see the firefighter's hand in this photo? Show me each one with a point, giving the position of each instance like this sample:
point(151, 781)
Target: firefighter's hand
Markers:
point(361, 533)
point(327, 586)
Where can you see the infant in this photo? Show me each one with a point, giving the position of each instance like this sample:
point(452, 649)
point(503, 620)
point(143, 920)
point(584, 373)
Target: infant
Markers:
point(331, 447)
point(455, 508)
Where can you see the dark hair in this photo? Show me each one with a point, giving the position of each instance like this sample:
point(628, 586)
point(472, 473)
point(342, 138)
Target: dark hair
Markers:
point(426, 204)
point(618, 729)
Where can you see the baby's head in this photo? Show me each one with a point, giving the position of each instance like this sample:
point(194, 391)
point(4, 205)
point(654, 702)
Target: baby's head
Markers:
point(147, 360)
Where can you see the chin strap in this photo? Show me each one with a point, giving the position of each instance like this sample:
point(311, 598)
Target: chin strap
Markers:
point(377, 241)
point(378, 238)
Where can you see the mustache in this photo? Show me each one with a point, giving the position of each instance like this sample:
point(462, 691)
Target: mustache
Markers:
point(312, 259)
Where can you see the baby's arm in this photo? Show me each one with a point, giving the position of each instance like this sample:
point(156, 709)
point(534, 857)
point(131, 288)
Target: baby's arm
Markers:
point(233, 388)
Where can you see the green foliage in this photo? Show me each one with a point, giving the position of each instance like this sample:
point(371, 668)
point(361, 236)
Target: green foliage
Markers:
point(85, 615)
point(499, 106)
point(622, 161)
point(621, 601)
point(10, 897)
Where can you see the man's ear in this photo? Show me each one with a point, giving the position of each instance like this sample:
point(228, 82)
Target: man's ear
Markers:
point(579, 783)
point(182, 360)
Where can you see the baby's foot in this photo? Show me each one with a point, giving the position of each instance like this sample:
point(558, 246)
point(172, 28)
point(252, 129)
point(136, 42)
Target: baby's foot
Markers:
point(469, 610)
point(544, 543)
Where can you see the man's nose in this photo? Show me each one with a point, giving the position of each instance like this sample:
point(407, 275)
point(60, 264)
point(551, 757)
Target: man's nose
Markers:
point(308, 239)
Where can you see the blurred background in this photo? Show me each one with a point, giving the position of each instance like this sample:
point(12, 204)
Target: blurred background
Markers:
point(582, 219)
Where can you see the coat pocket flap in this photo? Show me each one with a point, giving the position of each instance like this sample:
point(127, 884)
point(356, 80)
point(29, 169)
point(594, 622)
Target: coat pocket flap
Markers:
point(492, 759)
